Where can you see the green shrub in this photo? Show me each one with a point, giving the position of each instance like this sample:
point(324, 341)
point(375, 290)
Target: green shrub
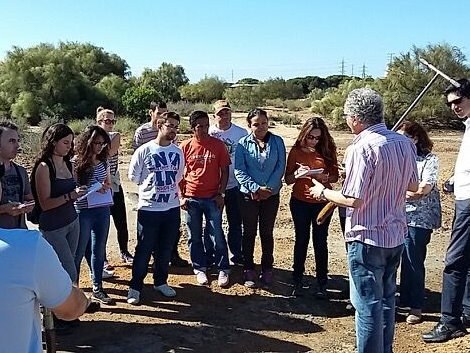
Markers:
point(286, 119)
point(126, 125)
point(79, 125)
point(185, 108)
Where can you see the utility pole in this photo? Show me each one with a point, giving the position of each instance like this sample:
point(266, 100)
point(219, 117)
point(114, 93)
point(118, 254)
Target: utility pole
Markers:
point(232, 76)
point(363, 71)
point(352, 70)
point(342, 67)
point(390, 58)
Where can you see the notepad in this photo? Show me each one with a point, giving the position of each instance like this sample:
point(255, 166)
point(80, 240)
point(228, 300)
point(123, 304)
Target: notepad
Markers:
point(98, 199)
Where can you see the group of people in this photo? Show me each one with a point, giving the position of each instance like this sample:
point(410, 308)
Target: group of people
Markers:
point(389, 194)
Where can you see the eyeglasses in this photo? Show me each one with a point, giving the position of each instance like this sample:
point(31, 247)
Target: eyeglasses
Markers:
point(455, 101)
point(99, 143)
point(109, 121)
point(313, 137)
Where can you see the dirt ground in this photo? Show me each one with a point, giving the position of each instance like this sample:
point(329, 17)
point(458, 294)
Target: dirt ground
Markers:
point(237, 319)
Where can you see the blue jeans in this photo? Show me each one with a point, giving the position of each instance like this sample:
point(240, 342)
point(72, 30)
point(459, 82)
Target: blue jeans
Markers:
point(412, 267)
point(304, 215)
point(457, 265)
point(94, 228)
point(196, 208)
point(372, 281)
point(157, 233)
point(234, 234)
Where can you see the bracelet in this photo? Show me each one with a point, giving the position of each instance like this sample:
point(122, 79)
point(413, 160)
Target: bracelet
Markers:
point(322, 194)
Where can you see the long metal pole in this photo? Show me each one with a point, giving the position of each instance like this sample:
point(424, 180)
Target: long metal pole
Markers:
point(436, 70)
point(417, 99)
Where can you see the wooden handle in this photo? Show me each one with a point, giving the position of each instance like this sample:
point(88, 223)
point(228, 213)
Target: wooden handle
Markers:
point(326, 211)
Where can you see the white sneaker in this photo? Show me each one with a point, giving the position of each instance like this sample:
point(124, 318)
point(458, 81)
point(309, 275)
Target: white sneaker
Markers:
point(133, 296)
point(222, 281)
point(165, 290)
point(201, 277)
point(107, 273)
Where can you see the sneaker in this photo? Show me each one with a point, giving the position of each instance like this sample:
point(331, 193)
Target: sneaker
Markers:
point(414, 317)
point(321, 292)
point(101, 296)
point(266, 277)
point(165, 290)
point(133, 296)
point(127, 258)
point(201, 277)
point(249, 277)
point(108, 266)
point(177, 261)
point(222, 281)
point(442, 332)
point(107, 273)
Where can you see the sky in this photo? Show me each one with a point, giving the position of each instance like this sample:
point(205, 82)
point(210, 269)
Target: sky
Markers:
point(245, 38)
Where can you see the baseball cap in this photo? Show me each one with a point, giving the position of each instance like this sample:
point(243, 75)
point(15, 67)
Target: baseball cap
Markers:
point(221, 105)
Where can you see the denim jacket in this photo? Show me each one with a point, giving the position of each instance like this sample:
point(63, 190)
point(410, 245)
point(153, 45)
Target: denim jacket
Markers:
point(250, 173)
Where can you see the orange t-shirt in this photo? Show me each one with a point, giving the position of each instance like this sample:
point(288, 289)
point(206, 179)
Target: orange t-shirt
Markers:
point(314, 160)
point(203, 161)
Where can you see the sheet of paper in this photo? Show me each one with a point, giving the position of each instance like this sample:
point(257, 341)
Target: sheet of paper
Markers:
point(98, 199)
point(93, 188)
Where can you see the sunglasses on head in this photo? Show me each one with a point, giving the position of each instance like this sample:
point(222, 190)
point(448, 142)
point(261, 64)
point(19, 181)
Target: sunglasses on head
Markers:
point(455, 101)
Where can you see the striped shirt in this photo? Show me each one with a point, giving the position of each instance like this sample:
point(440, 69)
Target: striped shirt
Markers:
point(144, 134)
point(113, 161)
point(379, 168)
point(99, 175)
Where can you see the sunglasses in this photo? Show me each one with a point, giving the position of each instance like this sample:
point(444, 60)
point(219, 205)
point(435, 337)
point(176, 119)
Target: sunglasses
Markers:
point(109, 121)
point(313, 137)
point(455, 101)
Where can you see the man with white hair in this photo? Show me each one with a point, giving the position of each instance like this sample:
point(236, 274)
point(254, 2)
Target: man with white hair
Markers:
point(380, 168)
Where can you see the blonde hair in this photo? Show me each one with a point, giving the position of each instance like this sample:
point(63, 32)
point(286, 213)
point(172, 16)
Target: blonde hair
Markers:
point(102, 112)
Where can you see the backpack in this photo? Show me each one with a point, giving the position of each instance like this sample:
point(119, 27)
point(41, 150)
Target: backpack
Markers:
point(35, 214)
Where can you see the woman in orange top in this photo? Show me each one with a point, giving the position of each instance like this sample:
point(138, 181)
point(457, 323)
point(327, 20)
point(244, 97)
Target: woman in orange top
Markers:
point(312, 156)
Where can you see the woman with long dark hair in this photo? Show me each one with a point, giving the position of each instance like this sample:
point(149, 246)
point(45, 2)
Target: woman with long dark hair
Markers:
point(423, 213)
point(312, 156)
point(55, 189)
point(91, 166)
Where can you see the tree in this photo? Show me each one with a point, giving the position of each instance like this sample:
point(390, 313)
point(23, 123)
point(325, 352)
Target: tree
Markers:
point(44, 81)
point(244, 98)
point(207, 90)
point(113, 87)
point(406, 77)
point(136, 101)
point(249, 81)
point(166, 80)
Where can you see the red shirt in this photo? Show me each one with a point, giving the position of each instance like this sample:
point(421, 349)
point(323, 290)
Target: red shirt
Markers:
point(203, 161)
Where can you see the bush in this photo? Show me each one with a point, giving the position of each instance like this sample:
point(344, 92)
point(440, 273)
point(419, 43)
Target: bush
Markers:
point(78, 126)
point(185, 108)
point(286, 119)
point(126, 125)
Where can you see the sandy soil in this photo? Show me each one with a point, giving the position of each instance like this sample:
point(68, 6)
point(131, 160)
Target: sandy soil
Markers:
point(237, 319)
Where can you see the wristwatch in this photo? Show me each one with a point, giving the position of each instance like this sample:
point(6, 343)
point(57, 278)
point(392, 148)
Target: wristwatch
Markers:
point(322, 194)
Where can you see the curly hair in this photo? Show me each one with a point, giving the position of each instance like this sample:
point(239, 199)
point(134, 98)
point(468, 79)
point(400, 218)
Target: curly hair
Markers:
point(84, 152)
point(326, 145)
